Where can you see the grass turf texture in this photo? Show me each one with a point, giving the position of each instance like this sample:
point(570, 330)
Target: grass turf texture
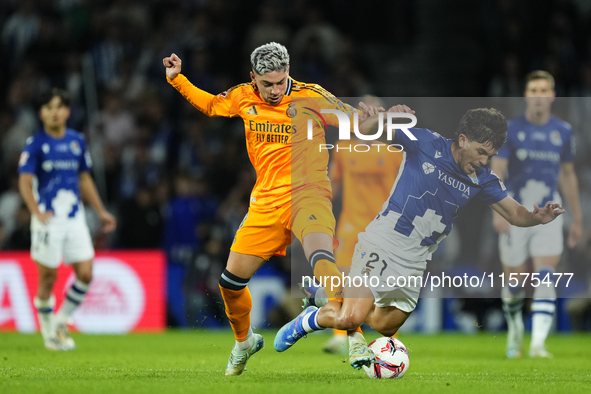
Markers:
point(194, 362)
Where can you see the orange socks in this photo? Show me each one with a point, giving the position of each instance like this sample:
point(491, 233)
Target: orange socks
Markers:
point(324, 266)
point(238, 303)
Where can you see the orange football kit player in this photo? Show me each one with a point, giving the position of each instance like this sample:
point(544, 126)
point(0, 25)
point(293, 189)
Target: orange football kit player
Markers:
point(292, 184)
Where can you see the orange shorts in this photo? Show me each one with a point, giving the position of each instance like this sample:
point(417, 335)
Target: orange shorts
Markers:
point(265, 232)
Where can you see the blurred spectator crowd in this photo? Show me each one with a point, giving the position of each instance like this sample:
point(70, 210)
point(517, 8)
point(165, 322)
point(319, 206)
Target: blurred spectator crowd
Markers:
point(178, 180)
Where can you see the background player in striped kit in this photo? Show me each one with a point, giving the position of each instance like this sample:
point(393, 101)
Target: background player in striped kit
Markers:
point(54, 177)
point(536, 161)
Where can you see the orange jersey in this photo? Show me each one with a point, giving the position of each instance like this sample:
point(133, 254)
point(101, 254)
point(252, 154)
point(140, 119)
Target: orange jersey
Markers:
point(367, 179)
point(276, 138)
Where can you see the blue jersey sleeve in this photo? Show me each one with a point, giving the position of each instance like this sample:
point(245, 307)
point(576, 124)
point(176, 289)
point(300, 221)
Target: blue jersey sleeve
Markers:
point(493, 189)
point(29, 157)
point(85, 160)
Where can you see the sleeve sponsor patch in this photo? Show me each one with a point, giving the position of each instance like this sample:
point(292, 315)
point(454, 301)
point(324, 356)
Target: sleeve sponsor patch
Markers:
point(88, 159)
point(23, 159)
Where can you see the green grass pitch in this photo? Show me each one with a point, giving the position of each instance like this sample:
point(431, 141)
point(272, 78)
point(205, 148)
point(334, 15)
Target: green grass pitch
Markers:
point(194, 362)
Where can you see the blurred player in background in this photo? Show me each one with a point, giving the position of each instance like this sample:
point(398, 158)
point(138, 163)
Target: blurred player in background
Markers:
point(536, 161)
point(287, 197)
point(54, 178)
point(436, 179)
point(364, 180)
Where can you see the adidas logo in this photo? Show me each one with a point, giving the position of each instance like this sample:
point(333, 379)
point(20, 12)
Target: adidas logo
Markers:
point(252, 111)
point(311, 218)
point(437, 154)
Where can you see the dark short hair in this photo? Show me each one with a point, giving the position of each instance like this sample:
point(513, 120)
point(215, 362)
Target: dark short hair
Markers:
point(48, 95)
point(484, 125)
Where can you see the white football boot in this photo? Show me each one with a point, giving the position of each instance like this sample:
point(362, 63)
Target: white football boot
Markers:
point(238, 358)
point(53, 344)
point(539, 352)
point(360, 355)
point(64, 338)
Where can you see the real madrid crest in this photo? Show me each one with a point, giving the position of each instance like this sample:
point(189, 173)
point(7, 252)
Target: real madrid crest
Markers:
point(291, 110)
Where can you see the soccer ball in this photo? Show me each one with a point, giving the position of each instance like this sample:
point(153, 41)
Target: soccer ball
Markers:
point(392, 359)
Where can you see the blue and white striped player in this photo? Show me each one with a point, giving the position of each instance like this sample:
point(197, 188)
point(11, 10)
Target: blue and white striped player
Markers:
point(436, 178)
point(536, 161)
point(54, 174)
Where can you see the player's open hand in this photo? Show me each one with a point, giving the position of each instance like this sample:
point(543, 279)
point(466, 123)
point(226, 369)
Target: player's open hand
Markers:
point(368, 111)
point(550, 212)
point(109, 222)
point(173, 65)
point(401, 108)
point(45, 217)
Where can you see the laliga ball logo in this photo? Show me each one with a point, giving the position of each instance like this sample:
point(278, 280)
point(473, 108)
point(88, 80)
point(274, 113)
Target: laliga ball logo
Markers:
point(115, 301)
point(392, 359)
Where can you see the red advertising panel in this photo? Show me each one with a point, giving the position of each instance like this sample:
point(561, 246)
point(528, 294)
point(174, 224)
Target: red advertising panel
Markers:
point(126, 294)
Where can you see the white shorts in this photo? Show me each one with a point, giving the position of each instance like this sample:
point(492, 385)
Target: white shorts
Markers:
point(521, 243)
point(390, 278)
point(67, 238)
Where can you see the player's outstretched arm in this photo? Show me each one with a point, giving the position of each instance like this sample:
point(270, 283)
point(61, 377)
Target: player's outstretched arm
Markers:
point(518, 215)
point(569, 187)
point(210, 105)
point(89, 193)
point(25, 186)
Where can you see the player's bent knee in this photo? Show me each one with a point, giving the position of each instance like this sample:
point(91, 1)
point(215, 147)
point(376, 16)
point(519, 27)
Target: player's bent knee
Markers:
point(348, 322)
point(85, 277)
point(387, 331)
point(386, 327)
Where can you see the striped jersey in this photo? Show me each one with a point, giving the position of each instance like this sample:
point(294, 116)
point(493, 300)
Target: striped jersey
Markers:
point(56, 164)
point(535, 153)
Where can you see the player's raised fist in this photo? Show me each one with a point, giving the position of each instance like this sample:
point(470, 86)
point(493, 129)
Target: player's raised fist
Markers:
point(173, 65)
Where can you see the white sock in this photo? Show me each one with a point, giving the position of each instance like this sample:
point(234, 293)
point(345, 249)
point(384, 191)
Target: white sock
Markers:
point(543, 308)
point(45, 316)
point(513, 305)
point(513, 310)
point(310, 322)
point(74, 298)
point(355, 337)
point(243, 345)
